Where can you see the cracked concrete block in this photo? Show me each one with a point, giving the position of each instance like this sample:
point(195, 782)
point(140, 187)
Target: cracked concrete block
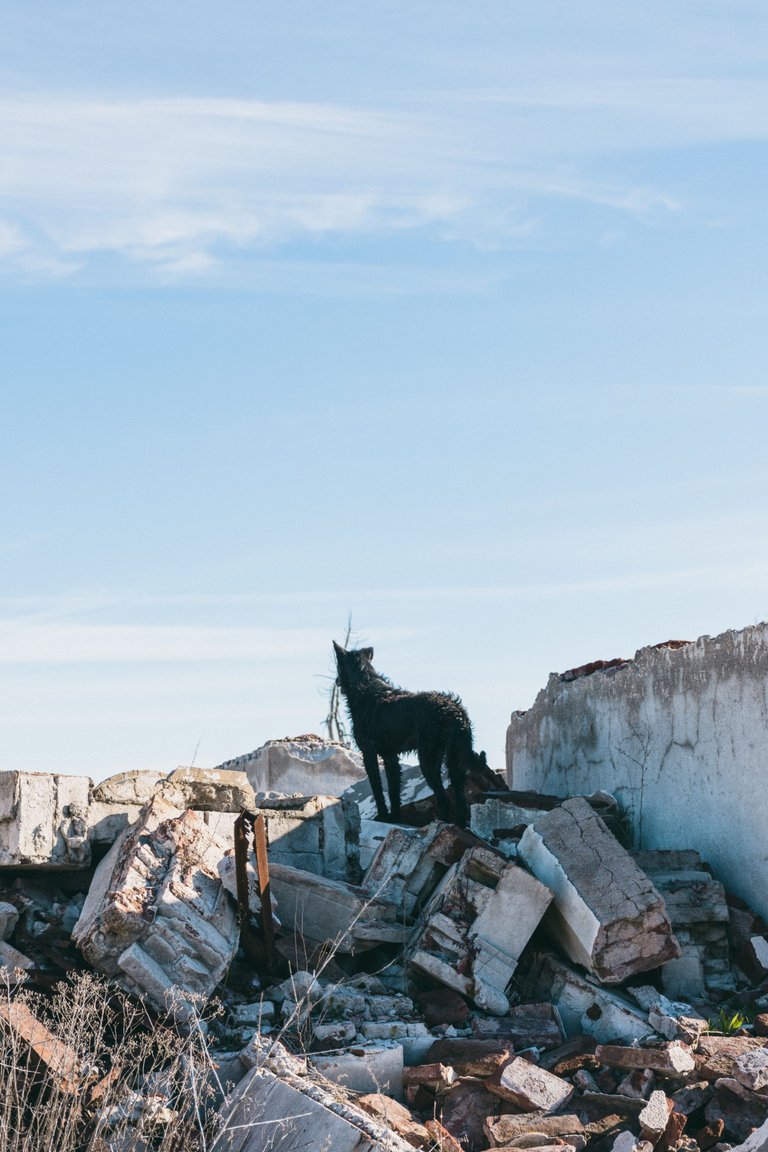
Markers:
point(207, 790)
point(303, 765)
point(528, 1087)
point(9, 916)
point(283, 1112)
point(323, 910)
point(757, 1141)
point(606, 913)
point(673, 1059)
point(43, 821)
point(364, 1068)
point(157, 917)
point(319, 834)
point(654, 1117)
point(584, 1006)
point(508, 1129)
point(409, 864)
point(752, 1069)
point(476, 925)
point(11, 960)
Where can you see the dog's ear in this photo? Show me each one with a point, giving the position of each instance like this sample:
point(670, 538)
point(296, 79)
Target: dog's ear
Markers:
point(367, 652)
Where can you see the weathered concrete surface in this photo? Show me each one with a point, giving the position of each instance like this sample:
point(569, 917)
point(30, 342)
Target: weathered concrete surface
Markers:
point(43, 820)
point(306, 765)
point(330, 910)
point(409, 864)
point(157, 916)
point(678, 735)
point(586, 1007)
point(606, 913)
point(274, 1108)
point(317, 834)
point(476, 925)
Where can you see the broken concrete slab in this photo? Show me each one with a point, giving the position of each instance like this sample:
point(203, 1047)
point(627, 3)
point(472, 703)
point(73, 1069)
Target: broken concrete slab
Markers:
point(476, 925)
point(207, 790)
point(43, 821)
point(157, 917)
point(508, 1129)
point(614, 930)
point(329, 910)
point(302, 765)
point(316, 833)
point(364, 1068)
point(410, 863)
point(718, 1055)
point(524, 1026)
point(654, 1117)
point(739, 1109)
point(11, 960)
point(757, 1141)
point(673, 1059)
point(529, 1087)
point(698, 910)
point(286, 1112)
point(396, 1116)
point(586, 1007)
point(9, 918)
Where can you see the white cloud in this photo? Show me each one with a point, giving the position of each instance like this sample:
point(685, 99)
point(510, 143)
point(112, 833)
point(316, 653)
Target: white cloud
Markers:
point(181, 188)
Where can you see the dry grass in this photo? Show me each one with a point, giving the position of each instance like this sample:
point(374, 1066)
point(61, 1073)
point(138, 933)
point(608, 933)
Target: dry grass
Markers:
point(134, 1085)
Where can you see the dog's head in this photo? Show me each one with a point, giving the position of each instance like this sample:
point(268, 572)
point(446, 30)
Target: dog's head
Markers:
point(351, 665)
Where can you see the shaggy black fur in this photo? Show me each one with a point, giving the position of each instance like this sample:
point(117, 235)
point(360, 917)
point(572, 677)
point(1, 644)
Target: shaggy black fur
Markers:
point(387, 720)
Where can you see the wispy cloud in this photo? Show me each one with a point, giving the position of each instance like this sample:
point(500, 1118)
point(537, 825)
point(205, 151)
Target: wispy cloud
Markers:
point(181, 188)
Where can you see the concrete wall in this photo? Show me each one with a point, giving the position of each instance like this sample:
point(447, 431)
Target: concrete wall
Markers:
point(679, 735)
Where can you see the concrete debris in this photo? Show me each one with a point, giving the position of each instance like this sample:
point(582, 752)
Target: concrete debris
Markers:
point(700, 917)
point(42, 1048)
point(408, 1006)
point(530, 1088)
point(476, 926)
point(157, 917)
point(300, 765)
point(408, 865)
point(330, 910)
point(269, 1110)
point(43, 821)
point(614, 930)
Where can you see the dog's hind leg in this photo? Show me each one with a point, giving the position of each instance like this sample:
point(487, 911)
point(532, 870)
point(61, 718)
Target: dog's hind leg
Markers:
point(392, 769)
point(371, 762)
point(456, 759)
point(431, 763)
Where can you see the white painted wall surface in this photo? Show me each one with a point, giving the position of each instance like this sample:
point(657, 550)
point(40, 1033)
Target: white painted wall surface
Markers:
point(680, 737)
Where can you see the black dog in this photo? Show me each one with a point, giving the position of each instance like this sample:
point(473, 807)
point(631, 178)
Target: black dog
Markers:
point(387, 720)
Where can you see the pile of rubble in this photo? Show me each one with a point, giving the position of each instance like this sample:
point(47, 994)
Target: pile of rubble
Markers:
point(526, 983)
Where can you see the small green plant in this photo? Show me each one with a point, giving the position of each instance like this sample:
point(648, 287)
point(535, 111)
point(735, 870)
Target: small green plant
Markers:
point(728, 1023)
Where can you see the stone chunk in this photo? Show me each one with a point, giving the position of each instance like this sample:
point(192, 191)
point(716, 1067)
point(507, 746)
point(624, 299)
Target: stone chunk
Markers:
point(469, 1057)
point(11, 960)
point(586, 1007)
point(269, 1111)
point(408, 865)
point(43, 821)
point(673, 1059)
point(476, 925)
point(752, 1069)
point(529, 1087)
point(330, 910)
point(739, 1109)
point(305, 765)
point(9, 917)
point(655, 1116)
point(157, 917)
point(364, 1068)
point(508, 1129)
point(615, 929)
point(757, 1141)
point(437, 1077)
point(441, 1137)
point(396, 1116)
point(315, 833)
point(719, 1054)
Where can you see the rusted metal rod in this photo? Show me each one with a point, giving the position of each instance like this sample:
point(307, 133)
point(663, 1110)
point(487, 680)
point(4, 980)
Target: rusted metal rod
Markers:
point(251, 825)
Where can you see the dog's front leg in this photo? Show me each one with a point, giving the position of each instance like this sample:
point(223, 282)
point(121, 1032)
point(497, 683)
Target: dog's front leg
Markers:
point(392, 768)
point(371, 762)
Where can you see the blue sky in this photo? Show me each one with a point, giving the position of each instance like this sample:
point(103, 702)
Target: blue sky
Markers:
point(448, 316)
